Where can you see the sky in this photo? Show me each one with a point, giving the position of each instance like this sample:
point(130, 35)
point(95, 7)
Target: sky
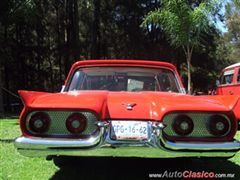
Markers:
point(221, 25)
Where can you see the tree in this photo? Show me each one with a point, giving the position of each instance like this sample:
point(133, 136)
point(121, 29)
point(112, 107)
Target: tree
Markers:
point(228, 44)
point(1, 95)
point(232, 36)
point(41, 39)
point(183, 24)
point(96, 35)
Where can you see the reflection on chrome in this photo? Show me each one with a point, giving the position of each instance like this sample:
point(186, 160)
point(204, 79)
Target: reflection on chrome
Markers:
point(101, 140)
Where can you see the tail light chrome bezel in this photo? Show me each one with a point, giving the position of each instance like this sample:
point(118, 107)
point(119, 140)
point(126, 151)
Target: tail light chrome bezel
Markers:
point(218, 121)
point(79, 121)
point(39, 122)
point(183, 125)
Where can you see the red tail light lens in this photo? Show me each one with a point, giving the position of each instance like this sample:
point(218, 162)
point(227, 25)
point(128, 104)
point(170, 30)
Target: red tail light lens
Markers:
point(76, 123)
point(39, 122)
point(182, 125)
point(218, 125)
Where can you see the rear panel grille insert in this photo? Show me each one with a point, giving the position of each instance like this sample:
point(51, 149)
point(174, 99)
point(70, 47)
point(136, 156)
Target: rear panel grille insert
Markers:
point(200, 121)
point(57, 126)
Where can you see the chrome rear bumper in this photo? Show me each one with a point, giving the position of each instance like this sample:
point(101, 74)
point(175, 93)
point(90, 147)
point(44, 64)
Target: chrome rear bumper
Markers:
point(100, 144)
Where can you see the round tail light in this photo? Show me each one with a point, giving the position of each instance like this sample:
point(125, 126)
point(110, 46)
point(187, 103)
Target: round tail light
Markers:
point(39, 122)
point(218, 125)
point(182, 125)
point(76, 123)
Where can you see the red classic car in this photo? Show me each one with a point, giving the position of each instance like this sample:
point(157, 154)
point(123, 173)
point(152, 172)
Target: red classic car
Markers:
point(127, 108)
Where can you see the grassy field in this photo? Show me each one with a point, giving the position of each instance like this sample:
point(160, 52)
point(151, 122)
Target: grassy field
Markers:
point(14, 166)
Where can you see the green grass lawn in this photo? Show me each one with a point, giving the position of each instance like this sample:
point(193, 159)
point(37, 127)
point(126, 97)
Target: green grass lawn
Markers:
point(12, 164)
point(15, 166)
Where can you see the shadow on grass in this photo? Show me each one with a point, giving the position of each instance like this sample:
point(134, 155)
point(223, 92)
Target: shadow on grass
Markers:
point(7, 140)
point(9, 116)
point(137, 168)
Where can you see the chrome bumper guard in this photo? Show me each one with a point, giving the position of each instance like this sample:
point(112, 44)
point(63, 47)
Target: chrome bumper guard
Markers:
point(100, 144)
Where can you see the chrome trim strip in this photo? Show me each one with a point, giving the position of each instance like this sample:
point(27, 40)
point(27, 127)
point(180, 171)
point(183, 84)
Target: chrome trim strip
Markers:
point(101, 142)
point(143, 152)
point(200, 146)
point(48, 143)
point(235, 145)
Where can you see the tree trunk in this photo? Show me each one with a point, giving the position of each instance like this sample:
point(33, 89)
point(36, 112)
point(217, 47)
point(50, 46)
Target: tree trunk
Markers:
point(76, 40)
point(189, 74)
point(1, 95)
point(73, 41)
point(67, 39)
point(188, 53)
point(6, 72)
point(51, 74)
point(59, 50)
point(96, 36)
point(189, 58)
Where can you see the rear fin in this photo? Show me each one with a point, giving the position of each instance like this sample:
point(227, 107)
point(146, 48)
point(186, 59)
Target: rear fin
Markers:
point(28, 97)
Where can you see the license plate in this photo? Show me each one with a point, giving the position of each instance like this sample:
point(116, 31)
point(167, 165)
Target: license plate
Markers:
point(129, 130)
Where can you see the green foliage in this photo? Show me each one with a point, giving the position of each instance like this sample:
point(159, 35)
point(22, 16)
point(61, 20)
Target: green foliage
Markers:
point(181, 21)
point(233, 21)
point(228, 48)
point(237, 3)
point(41, 39)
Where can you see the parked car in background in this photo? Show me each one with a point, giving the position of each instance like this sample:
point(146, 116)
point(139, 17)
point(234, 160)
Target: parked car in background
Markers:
point(229, 83)
point(127, 108)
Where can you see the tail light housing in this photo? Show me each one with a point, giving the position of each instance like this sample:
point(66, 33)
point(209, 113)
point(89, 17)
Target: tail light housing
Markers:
point(218, 125)
point(39, 122)
point(182, 125)
point(76, 123)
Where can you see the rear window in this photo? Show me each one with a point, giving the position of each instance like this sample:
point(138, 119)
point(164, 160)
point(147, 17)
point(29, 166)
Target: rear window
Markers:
point(124, 79)
point(227, 77)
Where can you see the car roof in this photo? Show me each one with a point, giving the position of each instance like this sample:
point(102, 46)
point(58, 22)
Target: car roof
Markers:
point(233, 66)
point(123, 63)
point(119, 62)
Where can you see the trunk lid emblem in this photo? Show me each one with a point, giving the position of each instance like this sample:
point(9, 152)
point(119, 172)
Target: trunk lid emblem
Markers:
point(129, 106)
